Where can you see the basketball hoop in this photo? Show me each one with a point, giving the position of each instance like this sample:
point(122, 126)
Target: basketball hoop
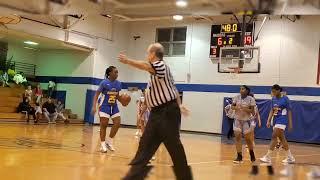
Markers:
point(10, 19)
point(235, 70)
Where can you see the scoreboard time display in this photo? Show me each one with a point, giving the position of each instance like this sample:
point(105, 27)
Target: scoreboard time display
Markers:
point(229, 35)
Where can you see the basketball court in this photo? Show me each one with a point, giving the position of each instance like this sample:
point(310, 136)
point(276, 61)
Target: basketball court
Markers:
point(72, 152)
point(212, 47)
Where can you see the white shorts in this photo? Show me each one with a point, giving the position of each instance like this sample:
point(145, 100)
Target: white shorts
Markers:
point(280, 126)
point(105, 115)
point(253, 124)
point(244, 127)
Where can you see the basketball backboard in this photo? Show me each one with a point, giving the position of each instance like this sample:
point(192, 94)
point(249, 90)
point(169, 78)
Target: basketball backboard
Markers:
point(239, 60)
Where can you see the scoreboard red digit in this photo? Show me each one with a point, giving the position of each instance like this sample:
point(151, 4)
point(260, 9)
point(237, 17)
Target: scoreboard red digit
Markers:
point(229, 35)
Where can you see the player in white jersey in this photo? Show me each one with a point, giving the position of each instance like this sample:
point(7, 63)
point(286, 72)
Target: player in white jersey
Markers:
point(243, 105)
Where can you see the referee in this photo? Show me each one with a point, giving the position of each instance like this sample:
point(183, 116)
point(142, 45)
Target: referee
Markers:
point(165, 118)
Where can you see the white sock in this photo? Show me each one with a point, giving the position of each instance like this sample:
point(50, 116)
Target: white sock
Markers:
point(269, 153)
point(289, 153)
point(103, 143)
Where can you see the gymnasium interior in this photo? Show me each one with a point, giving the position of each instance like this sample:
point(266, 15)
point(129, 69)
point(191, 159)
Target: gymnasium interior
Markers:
point(212, 48)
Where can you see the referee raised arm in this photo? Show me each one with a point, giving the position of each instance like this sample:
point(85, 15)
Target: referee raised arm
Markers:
point(165, 117)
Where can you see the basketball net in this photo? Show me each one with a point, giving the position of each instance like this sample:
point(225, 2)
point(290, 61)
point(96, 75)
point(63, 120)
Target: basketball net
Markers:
point(234, 72)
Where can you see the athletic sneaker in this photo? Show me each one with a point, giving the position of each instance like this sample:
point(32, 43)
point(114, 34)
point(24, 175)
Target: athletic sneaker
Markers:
point(110, 146)
point(103, 148)
point(238, 160)
point(289, 160)
point(314, 173)
point(266, 159)
point(252, 156)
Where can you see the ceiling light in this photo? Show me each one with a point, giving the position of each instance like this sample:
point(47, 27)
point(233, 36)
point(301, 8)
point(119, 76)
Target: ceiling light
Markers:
point(177, 17)
point(181, 3)
point(31, 43)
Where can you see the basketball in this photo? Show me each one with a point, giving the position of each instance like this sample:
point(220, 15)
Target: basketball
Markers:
point(124, 99)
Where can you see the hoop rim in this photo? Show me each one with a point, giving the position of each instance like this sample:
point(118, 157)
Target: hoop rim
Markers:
point(236, 70)
point(10, 19)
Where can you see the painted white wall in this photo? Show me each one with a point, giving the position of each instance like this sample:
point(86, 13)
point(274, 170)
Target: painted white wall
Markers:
point(108, 51)
point(65, 63)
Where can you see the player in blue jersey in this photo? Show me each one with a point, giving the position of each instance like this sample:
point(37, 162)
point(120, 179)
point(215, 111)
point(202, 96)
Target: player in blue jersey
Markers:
point(282, 118)
point(108, 108)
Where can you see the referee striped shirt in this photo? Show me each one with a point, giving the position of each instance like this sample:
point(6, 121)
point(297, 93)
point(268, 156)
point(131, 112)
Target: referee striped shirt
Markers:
point(161, 87)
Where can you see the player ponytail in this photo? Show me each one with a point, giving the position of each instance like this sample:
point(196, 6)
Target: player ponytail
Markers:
point(108, 71)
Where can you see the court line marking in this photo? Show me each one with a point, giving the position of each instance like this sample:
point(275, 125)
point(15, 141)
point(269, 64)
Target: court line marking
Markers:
point(220, 161)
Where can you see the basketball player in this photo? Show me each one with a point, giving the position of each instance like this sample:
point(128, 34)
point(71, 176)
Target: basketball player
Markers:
point(282, 117)
point(138, 132)
point(255, 118)
point(243, 105)
point(164, 122)
point(230, 116)
point(140, 124)
point(144, 115)
point(108, 108)
point(271, 122)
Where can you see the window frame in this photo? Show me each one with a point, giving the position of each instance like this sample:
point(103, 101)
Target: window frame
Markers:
point(172, 42)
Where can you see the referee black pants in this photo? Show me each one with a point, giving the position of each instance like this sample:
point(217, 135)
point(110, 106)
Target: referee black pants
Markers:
point(163, 127)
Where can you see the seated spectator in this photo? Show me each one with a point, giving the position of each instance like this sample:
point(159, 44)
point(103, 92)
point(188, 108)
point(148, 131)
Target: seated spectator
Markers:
point(19, 79)
point(25, 107)
point(60, 111)
point(49, 111)
point(11, 72)
point(38, 112)
point(4, 79)
point(28, 93)
point(38, 94)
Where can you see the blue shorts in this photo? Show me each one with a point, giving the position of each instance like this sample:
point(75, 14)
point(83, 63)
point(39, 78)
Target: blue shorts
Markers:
point(109, 111)
point(280, 123)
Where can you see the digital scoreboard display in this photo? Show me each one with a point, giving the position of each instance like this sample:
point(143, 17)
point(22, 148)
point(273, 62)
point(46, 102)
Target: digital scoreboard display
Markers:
point(229, 35)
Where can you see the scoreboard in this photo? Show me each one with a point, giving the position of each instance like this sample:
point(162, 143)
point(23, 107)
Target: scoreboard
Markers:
point(229, 35)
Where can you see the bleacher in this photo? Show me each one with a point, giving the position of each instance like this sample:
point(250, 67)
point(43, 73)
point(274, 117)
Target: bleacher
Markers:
point(10, 97)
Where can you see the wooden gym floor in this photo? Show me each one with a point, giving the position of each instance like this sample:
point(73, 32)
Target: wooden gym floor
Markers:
point(57, 152)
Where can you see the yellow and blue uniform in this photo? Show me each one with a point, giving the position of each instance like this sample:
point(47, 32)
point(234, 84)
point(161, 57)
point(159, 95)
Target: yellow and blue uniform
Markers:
point(108, 106)
point(281, 106)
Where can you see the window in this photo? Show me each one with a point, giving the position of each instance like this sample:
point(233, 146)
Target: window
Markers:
point(173, 40)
